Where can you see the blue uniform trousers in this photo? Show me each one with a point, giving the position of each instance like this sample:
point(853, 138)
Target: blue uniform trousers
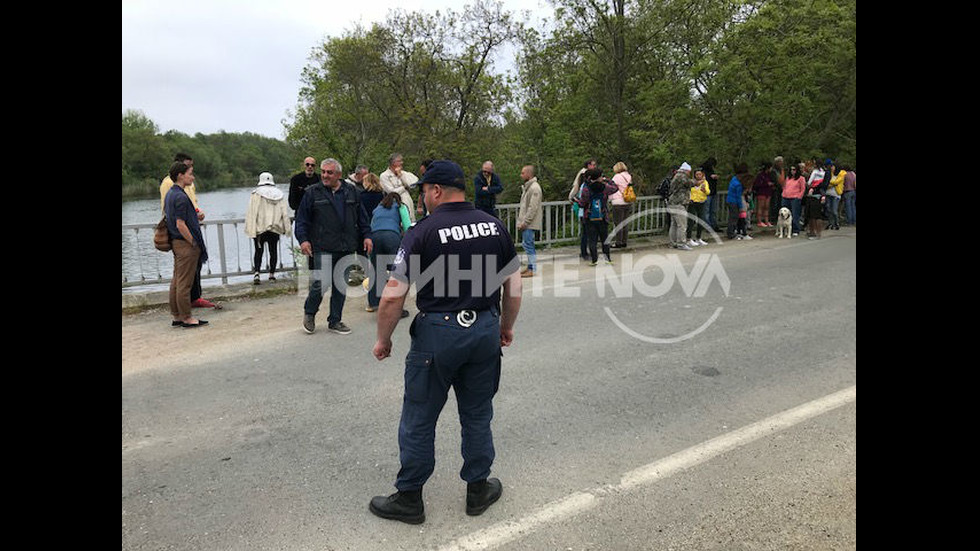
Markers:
point(445, 354)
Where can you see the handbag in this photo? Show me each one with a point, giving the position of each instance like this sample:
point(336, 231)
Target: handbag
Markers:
point(161, 237)
point(628, 194)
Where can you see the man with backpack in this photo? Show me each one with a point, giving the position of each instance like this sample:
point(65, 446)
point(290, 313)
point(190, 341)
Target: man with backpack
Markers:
point(594, 205)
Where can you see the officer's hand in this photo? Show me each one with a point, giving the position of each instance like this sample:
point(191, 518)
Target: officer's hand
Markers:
point(382, 349)
point(200, 215)
point(368, 246)
point(306, 248)
point(506, 337)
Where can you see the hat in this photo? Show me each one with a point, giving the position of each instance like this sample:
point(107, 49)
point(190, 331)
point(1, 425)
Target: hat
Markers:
point(685, 166)
point(445, 173)
point(265, 179)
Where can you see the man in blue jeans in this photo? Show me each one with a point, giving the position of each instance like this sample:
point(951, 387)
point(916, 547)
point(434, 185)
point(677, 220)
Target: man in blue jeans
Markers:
point(529, 216)
point(331, 224)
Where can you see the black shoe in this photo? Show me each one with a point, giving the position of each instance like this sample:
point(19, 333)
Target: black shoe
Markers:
point(481, 495)
point(405, 313)
point(404, 506)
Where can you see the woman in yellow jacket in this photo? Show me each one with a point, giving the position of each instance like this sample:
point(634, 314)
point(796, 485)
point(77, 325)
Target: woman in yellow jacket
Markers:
point(266, 219)
point(834, 192)
point(695, 209)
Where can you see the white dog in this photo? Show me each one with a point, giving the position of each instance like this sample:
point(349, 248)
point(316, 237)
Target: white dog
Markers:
point(784, 224)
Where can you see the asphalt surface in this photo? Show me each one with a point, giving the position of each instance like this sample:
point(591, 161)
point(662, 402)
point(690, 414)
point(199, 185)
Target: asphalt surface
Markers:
point(279, 443)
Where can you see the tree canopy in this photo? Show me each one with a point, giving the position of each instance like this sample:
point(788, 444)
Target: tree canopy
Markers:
point(652, 83)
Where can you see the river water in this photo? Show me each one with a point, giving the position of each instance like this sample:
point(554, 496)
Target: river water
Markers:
point(140, 261)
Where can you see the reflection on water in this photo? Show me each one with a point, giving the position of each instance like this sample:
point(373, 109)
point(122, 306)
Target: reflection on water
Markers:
point(141, 261)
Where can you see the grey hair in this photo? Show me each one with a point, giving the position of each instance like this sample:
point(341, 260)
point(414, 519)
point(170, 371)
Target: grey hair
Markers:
point(394, 157)
point(332, 161)
point(359, 168)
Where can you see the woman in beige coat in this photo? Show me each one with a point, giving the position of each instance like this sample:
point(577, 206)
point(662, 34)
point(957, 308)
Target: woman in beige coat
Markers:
point(397, 180)
point(266, 219)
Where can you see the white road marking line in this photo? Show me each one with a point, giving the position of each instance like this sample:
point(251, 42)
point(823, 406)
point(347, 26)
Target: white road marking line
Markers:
point(507, 531)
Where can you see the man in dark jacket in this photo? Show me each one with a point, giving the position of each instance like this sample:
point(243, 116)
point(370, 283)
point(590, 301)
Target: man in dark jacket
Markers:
point(487, 185)
point(332, 225)
point(300, 181)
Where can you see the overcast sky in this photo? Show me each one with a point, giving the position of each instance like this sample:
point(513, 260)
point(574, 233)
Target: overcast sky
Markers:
point(235, 65)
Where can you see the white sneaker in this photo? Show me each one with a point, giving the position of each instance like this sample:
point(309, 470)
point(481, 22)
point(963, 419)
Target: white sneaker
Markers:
point(702, 242)
point(692, 243)
point(738, 236)
point(748, 237)
point(683, 247)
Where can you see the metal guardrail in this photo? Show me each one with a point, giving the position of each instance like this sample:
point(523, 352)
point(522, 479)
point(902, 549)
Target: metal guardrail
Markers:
point(230, 251)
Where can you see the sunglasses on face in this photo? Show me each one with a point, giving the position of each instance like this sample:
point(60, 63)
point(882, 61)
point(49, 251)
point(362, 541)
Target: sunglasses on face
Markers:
point(329, 171)
point(310, 164)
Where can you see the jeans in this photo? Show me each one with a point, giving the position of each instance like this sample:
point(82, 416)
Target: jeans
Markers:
point(324, 272)
point(272, 238)
point(709, 211)
point(196, 291)
point(584, 242)
point(386, 244)
point(833, 207)
point(794, 206)
point(527, 236)
point(733, 220)
point(598, 231)
point(695, 213)
point(850, 207)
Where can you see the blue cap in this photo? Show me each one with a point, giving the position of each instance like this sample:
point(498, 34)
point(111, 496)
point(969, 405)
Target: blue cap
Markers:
point(445, 173)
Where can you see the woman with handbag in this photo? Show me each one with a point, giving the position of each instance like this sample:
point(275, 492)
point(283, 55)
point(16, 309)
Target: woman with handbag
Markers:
point(621, 209)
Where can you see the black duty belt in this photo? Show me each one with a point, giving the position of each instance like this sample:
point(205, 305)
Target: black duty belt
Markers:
point(464, 318)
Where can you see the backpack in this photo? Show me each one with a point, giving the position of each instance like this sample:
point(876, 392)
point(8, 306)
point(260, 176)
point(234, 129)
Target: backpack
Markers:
point(628, 194)
point(595, 208)
point(161, 237)
point(663, 189)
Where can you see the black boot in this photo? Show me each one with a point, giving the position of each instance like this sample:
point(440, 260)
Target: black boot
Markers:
point(481, 495)
point(404, 506)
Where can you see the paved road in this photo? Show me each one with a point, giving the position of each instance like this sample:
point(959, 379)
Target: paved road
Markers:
point(740, 437)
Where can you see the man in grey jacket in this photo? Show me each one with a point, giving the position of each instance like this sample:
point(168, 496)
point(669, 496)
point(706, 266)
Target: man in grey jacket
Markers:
point(529, 216)
point(680, 196)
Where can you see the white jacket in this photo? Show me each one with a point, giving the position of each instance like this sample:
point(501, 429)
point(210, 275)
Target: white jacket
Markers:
point(267, 212)
point(391, 183)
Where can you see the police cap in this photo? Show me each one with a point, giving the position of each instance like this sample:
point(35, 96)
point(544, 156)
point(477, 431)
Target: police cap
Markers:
point(445, 173)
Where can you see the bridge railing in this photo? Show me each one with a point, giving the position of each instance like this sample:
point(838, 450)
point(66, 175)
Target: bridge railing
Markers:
point(230, 251)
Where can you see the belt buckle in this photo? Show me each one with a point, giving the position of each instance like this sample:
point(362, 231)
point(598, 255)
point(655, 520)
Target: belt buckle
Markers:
point(466, 318)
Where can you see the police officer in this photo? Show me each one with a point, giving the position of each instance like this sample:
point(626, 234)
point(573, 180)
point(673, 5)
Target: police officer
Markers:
point(458, 257)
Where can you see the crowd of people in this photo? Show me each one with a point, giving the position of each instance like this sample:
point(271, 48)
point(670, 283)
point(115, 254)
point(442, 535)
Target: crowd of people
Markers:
point(812, 192)
point(371, 213)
